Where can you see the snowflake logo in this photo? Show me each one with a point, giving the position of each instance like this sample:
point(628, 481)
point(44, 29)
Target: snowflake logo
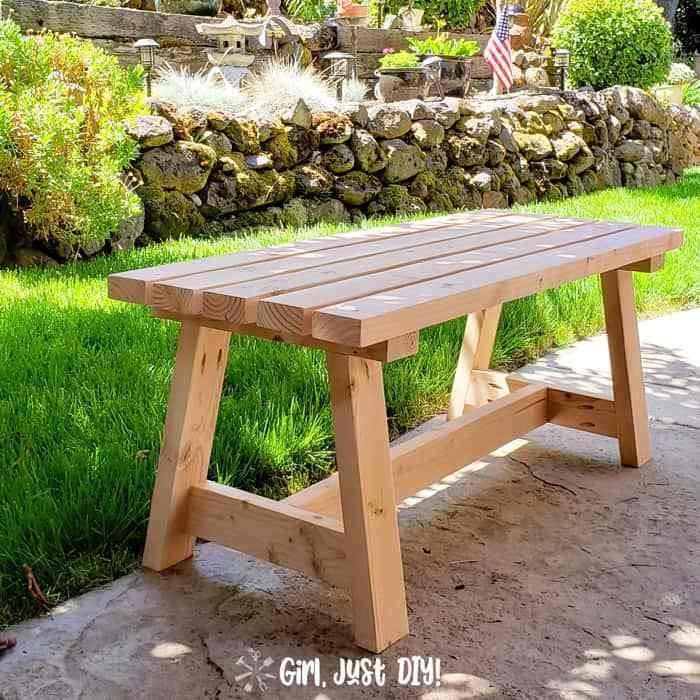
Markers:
point(255, 674)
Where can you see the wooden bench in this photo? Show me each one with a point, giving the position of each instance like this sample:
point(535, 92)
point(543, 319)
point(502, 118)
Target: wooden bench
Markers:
point(362, 297)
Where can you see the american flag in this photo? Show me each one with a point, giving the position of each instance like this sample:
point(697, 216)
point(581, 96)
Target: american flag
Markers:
point(497, 53)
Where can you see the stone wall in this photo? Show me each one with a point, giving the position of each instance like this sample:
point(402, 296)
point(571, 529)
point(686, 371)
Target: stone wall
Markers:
point(217, 173)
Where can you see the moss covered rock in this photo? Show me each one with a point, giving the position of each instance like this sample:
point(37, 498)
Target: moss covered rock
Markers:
point(357, 188)
point(466, 151)
point(312, 180)
point(169, 213)
point(395, 199)
point(338, 159)
point(182, 166)
point(244, 136)
point(403, 160)
point(533, 146)
point(256, 189)
point(368, 154)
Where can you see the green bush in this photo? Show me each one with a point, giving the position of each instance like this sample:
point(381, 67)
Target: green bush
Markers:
point(615, 42)
point(63, 145)
point(448, 14)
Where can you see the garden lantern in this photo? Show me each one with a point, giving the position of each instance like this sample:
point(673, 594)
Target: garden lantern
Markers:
point(148, 50)
point(341, 67)
point(561, 58)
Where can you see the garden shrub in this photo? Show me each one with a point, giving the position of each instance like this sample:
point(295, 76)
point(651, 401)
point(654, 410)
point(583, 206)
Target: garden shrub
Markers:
point(63, 145)
point(615, 42)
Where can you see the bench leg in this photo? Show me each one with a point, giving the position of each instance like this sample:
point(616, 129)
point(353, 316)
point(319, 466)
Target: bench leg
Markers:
point(477, 346)
point(626, 365)
point(367, 498)
point(187, 441)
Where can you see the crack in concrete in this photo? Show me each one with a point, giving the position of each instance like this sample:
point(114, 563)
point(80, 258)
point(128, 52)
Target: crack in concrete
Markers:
point(673, 423)
point(217, 668)
point(551, 484)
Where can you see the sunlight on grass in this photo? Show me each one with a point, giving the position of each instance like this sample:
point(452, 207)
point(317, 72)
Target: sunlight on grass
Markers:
point(84, 382)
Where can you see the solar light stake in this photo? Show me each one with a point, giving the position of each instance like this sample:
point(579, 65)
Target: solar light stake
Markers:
point(148, 50)
point(341, 67)
point(562, 58)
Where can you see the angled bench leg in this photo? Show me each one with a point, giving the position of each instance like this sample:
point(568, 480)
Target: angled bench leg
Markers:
point(368, 503)
point(626, 365)
point(187, 441)
point(475, 353)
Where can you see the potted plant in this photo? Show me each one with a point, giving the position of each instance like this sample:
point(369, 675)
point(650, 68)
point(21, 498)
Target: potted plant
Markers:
point(400, 76)
point(672, 90)
point(455, 63)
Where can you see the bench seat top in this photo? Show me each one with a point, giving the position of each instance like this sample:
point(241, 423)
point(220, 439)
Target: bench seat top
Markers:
point(364, 287)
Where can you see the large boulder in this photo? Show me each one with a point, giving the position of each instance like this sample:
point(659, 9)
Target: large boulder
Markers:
point(150, 131)
point(582, 161)
point(256, 189)
point(326, 210)
point(368, 154)
point(403, 160)
point(183, 166)
point(641, 105)
point(357, 188)
point(388, 122)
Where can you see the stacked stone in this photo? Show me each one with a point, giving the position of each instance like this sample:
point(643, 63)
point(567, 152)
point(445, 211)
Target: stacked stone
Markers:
point(216, 172)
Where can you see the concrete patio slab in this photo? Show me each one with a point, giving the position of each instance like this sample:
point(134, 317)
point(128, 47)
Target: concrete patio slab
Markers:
point(543, 571)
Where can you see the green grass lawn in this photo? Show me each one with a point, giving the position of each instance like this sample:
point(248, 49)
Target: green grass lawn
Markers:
point(84, 381)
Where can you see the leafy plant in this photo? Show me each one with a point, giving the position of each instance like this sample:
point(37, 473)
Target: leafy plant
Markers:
point(615, 42)
point(451, 14)
point(691, 94)
point(679, 74)
point(543, 14)
point(398, 60)
point(310, 10)
point(457, 14)
point(442, 46)
point(63, 144)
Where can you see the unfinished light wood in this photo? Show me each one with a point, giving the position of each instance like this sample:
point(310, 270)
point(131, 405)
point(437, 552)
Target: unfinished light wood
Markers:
point(368, 320)
point(592, 414)
point(435, 454)
point(475, 353)
point(626, 366)
point(649, 265)
point(293, 311)
point(272, 531)
point(238, 301)
point(386, 351)
point(193, 406)
point(135, 286)
point(367, 496)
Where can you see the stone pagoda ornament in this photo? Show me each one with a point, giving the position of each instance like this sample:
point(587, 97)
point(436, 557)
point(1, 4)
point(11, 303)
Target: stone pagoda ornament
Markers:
point(231, 61)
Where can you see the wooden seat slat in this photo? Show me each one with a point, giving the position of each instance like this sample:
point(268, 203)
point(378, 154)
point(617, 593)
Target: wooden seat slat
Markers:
point(133, 286)
point(294, 310)
point(379, 316)
point(184, 294)
point(237, 303)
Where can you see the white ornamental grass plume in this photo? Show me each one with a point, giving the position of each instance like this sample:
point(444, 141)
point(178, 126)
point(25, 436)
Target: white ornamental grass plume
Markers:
point(354, 90)
point(680, 73)
point(279, 84)
point(186, 89)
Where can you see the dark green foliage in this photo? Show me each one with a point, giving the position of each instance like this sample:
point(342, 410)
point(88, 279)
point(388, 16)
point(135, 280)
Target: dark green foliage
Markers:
point(615, 42)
